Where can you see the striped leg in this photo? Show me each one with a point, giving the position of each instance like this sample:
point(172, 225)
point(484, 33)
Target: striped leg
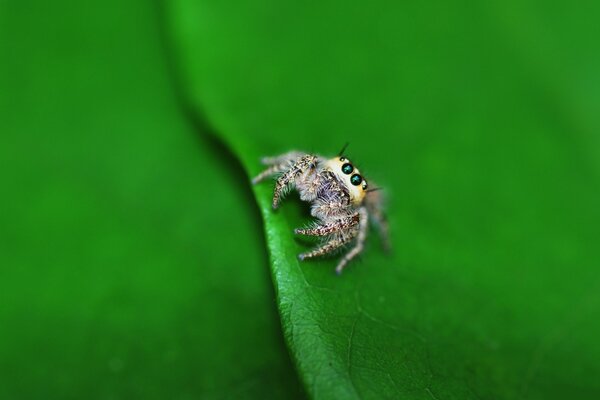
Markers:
point(288, 177)
point(282, 159)
point(276, 165)
point(272, 170)
point(374, 203)
point(327, 229)
point(362, 235)
point(384, 231)
point(328, 247)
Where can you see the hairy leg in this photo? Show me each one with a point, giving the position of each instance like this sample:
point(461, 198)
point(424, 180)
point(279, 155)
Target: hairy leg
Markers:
point(282, 159)
point(272, 170)
point(327, 229)
point(374, 204)
point(302, 164)
point(363, 226)
point(276, 165)
point(328, 247)
point(384, 231)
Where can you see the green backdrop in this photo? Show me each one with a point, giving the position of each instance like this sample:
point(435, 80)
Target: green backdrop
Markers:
point(137, 261)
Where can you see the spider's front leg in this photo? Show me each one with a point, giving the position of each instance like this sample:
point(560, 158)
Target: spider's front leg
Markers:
point(301, 165)
point(363, 226)
point(276, 165)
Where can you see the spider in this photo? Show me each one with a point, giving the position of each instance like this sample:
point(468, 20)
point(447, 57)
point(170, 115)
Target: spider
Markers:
point(340, 198)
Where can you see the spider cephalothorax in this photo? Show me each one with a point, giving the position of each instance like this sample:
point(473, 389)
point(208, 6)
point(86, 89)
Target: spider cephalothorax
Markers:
point(340, 197)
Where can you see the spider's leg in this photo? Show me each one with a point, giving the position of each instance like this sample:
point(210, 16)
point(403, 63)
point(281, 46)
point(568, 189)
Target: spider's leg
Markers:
point(383, 228)
point(327, 229)
point(374, 204)
point(272, 170)
point(328, 247)
point(276, 165)
point(302, 164)
point(360, 241)
point(281, 159)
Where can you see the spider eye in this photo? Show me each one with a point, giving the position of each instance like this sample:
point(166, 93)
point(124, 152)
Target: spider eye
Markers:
point(342, 159)
point(364, 186)
point(356, 179)
point(347, 168)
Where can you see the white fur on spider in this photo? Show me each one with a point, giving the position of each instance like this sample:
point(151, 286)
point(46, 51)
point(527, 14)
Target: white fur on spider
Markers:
point(339, 198)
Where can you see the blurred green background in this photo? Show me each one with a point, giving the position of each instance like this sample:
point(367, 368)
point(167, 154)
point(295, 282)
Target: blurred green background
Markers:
point(134, 262)
point(118, 213)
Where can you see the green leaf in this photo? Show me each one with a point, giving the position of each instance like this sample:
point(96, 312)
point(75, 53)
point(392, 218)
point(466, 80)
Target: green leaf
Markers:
point(480, 122)
point(117, 221)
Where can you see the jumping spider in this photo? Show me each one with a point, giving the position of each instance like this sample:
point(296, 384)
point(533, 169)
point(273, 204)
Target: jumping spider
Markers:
point(339, 197)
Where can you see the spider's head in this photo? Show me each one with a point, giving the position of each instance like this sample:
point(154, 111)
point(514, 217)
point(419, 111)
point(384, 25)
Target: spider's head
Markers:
point(349, 174)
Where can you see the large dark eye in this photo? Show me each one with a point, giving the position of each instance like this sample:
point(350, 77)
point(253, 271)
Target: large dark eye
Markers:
point(347, 168)
point(356, 179)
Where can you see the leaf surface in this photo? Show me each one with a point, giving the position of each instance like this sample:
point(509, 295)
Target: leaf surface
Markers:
point(480, 122)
